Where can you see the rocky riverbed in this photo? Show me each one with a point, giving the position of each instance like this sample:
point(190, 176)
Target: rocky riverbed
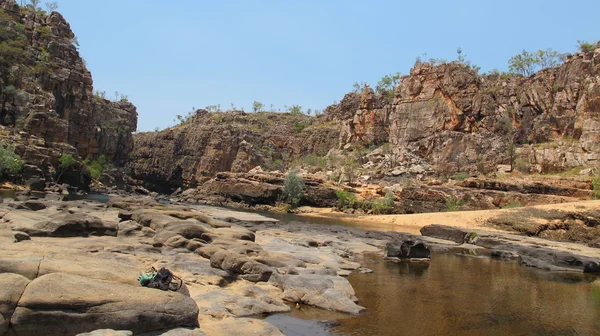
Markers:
point(72, 267)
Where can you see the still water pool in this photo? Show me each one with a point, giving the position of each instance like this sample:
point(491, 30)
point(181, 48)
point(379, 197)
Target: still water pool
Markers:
point(456, 295)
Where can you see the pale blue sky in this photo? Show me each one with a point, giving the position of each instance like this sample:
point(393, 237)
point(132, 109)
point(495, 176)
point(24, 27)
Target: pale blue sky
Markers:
point(171, 55)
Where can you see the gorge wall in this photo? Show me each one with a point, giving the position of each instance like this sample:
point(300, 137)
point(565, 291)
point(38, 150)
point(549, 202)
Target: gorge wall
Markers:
point(455, 118)
point(446, 116)
point(208, 143)
point(48, 107)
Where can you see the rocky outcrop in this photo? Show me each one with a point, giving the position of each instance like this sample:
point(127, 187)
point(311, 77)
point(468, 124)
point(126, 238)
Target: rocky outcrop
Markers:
point(208, 143)
point(257, 188)
point(449, 113)
point(49, 106)
point(531, 252)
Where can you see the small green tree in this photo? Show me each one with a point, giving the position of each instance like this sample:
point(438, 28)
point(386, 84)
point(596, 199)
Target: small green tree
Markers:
point(345, 199)
point(66, 161)
point(523, 63)
point(293, 188)
point(257, 106)
point(295, 109)
point(387, 84)
point(384, 205)
point(585, 47)
point(510, 140)
point(350, 167)
point(11, 164)
point(527, 63)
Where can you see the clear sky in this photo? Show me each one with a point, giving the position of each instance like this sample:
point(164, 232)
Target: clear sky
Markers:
point(169, 56)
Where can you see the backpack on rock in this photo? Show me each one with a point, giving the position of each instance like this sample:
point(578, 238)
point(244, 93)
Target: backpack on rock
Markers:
point(162, 279)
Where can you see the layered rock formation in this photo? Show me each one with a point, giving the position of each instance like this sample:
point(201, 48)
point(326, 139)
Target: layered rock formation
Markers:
point(208, 143)
point(47, 92)
point(452, 116)
point(443, 119)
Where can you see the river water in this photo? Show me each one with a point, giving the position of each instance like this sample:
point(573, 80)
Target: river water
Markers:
point(452, 295)
point(455, 295)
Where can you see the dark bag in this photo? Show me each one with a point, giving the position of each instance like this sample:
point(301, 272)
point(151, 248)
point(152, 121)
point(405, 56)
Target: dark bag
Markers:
point(162, 279)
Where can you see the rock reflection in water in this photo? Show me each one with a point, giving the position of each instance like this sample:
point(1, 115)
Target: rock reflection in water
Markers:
point(460, 296)
point(416, 269)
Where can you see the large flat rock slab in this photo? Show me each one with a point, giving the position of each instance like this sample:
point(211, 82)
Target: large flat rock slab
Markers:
point(65, 304)
point(225, 214)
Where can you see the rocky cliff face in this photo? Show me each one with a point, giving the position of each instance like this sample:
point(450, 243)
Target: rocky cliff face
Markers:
point(455, 118)
point(208, 143)
point(47, 91)
point(444, 119)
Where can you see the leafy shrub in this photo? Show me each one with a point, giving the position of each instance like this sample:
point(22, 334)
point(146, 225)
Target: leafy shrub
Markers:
point(294, 109)
point(345, 199)
point(293, 188)
point(596, 188)
point(523, 166)
point(298, 126)
point(461, 176)
point(11, 164)
point(512, 206)
point(66, 161)
point(453, 203)
point(586, 47)
point(384, 205)
point(315, 161)
point(96, 167)
point(277, 164)
point(527, 63)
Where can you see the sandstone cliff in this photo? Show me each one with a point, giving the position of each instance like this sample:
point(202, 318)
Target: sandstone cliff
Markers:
point(47, 93)
point(453, 117)
point(208, 143)
point(441, 119)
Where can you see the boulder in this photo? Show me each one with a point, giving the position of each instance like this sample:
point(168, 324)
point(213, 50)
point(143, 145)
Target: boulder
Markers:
point(65, 304)
point(323, 291)
point(11, 289)
point(241, 264)
point(72, 225)
point(33, 205)
point(220, 303)
point(20, 236)
point(408, 249)
point(444, 232)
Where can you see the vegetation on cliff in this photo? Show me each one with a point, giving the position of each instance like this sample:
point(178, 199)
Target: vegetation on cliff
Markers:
point(48, 110)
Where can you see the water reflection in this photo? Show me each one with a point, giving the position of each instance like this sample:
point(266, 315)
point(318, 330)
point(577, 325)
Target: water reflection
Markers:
point(464, 296)
point(416, 269)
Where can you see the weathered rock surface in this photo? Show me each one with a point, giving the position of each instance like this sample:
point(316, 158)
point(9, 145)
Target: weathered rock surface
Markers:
point(323, 291)
point(12, 286)
point(257, 188)
point(455, 118)
point(530, 251)
point(59, 304)
point(408, 249)
point(53, 110)
point(189, 154)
